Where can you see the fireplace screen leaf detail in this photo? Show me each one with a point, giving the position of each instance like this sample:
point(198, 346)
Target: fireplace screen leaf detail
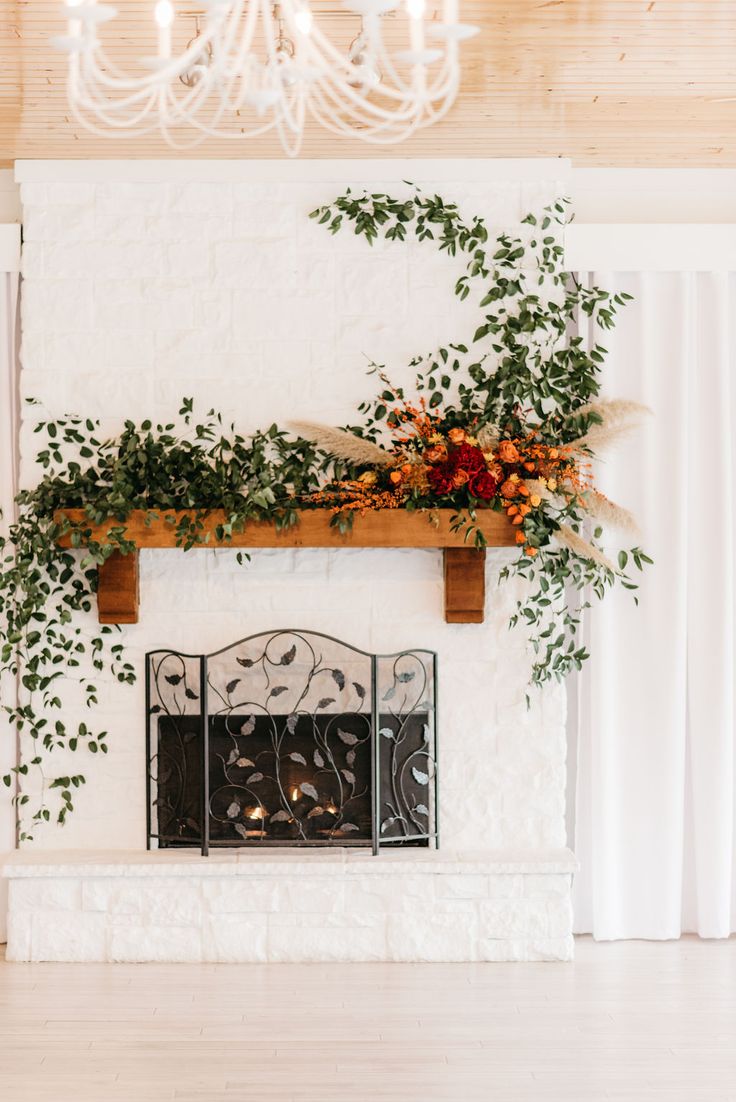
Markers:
point(291, 738)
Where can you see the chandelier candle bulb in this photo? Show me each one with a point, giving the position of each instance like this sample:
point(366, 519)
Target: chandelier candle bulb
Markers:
point(164, 16)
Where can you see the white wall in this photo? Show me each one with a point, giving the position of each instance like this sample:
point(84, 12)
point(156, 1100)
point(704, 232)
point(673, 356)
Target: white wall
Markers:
point(148, 281)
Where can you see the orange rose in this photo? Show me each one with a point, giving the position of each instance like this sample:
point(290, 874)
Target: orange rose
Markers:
point(524, 490)
point(436, 454)
point(507, 452)
point(509, 488)
point(520, 537)
point(457, 436)
point(518, 519)
point(530, 551)
point(396, 477)
point(529, 466)
point(535, 500)
point(460, 478)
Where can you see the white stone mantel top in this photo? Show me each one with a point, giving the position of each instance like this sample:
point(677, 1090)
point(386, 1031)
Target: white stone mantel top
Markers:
point(284, 862)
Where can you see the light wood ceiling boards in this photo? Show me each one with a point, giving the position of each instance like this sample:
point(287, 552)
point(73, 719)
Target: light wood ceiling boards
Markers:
point(605, 82)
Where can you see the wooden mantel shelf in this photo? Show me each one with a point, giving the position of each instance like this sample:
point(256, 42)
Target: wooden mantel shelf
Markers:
point(464, 567)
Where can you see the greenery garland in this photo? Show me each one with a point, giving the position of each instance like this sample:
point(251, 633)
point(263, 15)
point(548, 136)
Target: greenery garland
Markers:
point(523, 377)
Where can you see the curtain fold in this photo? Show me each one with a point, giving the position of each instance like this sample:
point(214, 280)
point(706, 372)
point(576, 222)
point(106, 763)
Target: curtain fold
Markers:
point(655, 824)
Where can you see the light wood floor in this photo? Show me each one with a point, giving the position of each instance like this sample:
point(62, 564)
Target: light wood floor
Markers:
point(628, 1021)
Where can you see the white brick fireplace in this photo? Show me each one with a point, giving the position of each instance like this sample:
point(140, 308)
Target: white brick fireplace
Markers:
point(148, 281)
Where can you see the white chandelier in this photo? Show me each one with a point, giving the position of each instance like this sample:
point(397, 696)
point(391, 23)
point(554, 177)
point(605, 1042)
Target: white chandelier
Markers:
point(249, 66)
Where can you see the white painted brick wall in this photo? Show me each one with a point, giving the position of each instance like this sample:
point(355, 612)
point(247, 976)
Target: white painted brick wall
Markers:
point(139, 291)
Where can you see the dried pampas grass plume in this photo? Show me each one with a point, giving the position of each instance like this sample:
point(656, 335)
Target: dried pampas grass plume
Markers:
point(601, 508)
point(618, 418)
point(342, 444)
point(570, 539)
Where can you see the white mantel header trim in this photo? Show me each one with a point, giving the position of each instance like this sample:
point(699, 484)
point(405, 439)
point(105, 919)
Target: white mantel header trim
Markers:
point(469, 170)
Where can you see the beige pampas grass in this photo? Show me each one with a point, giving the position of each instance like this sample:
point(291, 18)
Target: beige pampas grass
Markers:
point(610, 514)
point(342, 444)
point(575, 543)
point(536, 486)
point(618, 418)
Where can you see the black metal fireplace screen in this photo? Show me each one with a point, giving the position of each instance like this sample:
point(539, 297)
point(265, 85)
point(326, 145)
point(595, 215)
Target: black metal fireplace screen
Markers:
point(291, 738)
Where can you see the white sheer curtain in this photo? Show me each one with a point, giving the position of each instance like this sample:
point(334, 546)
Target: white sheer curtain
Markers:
point(655, 825)
point(9, 415)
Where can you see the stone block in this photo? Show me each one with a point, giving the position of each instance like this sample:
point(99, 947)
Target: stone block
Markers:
point(385, 895)
point(68, 936)
point(559, 917)
point(433, 937)
point(505, 886)
point(174, 901)
point(250, 895)
point(311, 894)
point(113, 896)
point(57, 306)
point(44, 894)
point(19, 929)
point(231, 938)
point(513, 918)
point(555, 884)
point(144, 944)
point(461, 887)
point(325, 943)
point(450, 937)
point(205, 197)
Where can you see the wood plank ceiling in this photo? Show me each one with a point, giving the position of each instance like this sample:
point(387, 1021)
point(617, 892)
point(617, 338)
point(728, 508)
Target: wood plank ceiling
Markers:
point(605, 82)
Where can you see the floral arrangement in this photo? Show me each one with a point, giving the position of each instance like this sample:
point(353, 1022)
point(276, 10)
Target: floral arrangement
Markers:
point(430, 465)
point(509, 421)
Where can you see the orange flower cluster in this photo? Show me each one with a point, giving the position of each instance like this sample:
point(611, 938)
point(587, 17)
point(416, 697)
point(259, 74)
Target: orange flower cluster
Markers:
point(357, 496)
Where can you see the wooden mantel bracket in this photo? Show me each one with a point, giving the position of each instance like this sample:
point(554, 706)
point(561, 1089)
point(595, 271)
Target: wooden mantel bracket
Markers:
point(118, 594)
point(464, 567)
point(465, 585)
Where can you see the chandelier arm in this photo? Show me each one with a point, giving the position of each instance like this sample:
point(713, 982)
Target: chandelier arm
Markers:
point(363, 110)
point(329, 106)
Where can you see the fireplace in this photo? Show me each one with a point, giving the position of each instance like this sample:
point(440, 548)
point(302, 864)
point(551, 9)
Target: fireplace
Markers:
point(291, 738)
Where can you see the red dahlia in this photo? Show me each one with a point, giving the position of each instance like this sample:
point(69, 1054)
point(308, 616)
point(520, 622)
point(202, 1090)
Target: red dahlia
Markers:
point(469, 458)
point(440, 479)
point(483, 485)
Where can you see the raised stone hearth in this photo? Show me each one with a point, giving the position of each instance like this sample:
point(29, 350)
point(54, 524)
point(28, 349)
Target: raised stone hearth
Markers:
point(278, 906)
